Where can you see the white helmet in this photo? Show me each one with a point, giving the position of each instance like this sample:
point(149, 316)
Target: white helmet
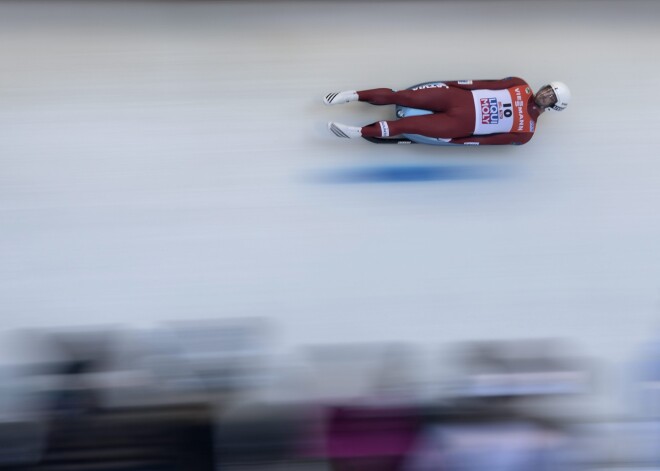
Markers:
point(563, 95)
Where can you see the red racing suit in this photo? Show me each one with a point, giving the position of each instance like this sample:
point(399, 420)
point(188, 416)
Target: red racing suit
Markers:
point(464, 111)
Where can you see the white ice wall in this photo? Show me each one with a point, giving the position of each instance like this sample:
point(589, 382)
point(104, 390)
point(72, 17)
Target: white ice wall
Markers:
point(164, 160)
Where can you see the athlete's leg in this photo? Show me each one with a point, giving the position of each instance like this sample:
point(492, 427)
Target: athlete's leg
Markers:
point(433, 125)
point(432, 99)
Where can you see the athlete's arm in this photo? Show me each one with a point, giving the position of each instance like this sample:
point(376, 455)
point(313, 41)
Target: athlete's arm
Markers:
point(487, 84)
point(506, 138)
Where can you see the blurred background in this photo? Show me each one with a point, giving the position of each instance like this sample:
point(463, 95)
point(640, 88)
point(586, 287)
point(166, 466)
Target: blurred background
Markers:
point(196, 274)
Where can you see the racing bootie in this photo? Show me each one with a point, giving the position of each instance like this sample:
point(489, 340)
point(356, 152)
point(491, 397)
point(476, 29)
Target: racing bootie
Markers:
point(337, 98)
point(342, 130)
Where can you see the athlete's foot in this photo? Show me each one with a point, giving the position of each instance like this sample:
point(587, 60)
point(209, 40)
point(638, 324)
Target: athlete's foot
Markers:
point(342, 130)
point(337, 98)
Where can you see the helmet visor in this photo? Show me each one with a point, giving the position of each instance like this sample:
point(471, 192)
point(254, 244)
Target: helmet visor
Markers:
point(546, 97)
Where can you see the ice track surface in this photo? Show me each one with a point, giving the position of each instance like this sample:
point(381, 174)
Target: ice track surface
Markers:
point(164, 160)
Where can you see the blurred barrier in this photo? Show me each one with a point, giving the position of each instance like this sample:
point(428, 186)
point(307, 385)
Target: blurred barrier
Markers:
point(195, 396)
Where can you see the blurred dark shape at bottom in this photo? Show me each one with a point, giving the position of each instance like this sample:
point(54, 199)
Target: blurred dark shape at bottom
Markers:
point(171, 438)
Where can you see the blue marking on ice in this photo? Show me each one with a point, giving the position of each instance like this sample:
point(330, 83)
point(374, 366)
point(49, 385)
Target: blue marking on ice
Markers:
point(410, 174)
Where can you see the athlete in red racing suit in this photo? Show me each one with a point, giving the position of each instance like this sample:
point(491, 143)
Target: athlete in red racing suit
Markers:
point(464, 111)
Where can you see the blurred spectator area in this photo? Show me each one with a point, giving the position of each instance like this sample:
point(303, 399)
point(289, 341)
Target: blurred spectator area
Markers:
point(201, 395)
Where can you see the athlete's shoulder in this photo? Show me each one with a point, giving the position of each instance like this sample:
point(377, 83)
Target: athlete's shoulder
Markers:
point(524, 137)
